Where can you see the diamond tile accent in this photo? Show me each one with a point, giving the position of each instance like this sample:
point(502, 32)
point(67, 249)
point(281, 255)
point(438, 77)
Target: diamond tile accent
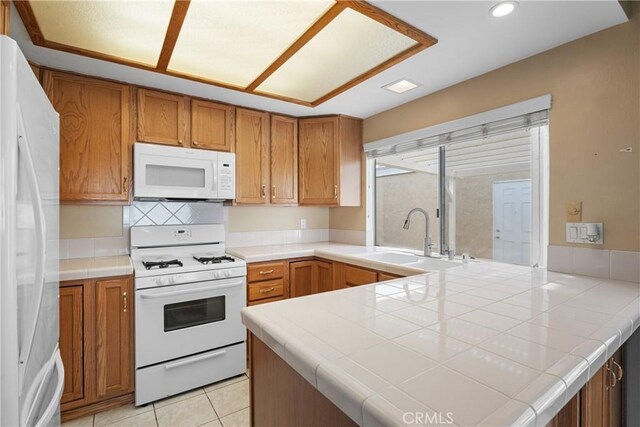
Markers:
point(175, 213)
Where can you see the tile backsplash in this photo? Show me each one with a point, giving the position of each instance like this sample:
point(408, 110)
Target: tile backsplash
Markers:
point(604, 263)
point(175, 213)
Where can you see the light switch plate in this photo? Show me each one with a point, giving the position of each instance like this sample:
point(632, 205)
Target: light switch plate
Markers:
point(577, 232)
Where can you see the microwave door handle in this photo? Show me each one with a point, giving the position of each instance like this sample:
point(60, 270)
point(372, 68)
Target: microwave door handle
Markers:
point(189, 291)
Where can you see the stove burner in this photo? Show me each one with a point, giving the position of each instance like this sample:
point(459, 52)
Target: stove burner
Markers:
point(161, 264)
point(213, 259)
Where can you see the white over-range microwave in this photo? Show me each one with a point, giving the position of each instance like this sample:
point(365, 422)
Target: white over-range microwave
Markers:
point(163, 172)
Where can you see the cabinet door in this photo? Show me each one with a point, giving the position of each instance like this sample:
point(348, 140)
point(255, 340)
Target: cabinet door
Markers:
point(161, 118)
point(284, 160)
point(113, 323)
point(72, 342)
point(350, 275)
point(252, 156)
point(602, 396)
point(302, 278)
point(95, 138)
point(318, 161)
point(386, 276)
point(324, 276)
point(212, 125)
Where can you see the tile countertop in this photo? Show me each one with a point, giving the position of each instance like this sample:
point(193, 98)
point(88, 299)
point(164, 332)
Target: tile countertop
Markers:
point(484, 343)
point(351, 254)
point(90, 268)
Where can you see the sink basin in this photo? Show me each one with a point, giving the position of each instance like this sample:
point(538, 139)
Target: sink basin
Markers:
point(392, 257)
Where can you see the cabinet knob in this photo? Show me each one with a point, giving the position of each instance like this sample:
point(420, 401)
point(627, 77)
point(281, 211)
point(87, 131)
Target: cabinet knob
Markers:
point(195, 142)
point(179, 142)
point(264, 191)
point(273, 191)
point(335, 190)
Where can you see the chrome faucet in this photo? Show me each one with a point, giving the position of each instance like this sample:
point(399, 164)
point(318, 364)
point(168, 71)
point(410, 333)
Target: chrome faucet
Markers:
point(427, 239)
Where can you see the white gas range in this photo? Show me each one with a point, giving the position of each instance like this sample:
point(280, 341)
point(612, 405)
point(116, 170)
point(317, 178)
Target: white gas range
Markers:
point(188, 296)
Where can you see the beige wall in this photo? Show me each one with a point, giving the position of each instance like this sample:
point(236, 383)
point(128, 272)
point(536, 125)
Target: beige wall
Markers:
point(270, 218)
point(595, 83)
point(84, 221)
point(396, 195)
point(474, 212)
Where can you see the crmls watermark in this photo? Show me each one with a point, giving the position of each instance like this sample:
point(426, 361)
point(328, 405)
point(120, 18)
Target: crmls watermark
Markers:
point(427, 418)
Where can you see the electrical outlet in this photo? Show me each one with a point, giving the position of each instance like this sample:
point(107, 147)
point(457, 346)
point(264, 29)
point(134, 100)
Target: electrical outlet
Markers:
point(583, 232)
point(303, 223)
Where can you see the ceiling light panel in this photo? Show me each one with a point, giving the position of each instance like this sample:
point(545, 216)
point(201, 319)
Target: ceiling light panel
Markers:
point(347, 47)
point(131, 30)
point(234, 41)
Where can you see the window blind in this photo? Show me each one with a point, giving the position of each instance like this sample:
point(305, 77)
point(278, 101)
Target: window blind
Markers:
point(416, 142)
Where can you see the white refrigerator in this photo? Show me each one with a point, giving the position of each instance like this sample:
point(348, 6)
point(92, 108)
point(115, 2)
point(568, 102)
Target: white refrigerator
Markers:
point(31, 372)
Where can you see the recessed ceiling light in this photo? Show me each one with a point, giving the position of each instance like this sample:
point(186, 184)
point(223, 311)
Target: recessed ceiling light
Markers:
point(503, 9)
point(401, 86)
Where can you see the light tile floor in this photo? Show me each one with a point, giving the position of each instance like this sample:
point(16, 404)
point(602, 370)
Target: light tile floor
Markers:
point(223, 404)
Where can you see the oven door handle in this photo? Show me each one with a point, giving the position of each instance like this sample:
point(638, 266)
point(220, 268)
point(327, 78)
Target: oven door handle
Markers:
point(195, 359)
point(189, 291)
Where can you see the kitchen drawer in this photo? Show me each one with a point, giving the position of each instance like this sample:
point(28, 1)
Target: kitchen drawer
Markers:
point(265, 271)
point(268, 289)
point(166, 379)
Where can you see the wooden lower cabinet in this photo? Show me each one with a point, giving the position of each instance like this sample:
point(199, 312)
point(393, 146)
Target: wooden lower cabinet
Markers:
point(113, 323)
point(310, 277)
point(350, 275)
point(276, 280)
point(96, 344)
point(72, 341)
point(600, 403)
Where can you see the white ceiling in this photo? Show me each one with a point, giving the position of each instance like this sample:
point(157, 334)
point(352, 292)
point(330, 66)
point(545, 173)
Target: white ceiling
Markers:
point(470, 43)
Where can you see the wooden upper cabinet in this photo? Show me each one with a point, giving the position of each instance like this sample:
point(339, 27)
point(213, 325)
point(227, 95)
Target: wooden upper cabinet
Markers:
point(252, 156)
point(4, 17)
point(284, 160)
point(212, 125)
point(330, 161)
point(72, 342)
point(113, 336)
point(95, 137)
point(161, 118)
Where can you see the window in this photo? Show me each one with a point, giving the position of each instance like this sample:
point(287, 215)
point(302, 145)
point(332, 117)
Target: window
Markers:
point(484, 189)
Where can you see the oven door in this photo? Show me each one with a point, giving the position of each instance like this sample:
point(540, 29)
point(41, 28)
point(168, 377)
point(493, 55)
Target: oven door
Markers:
point(174, 173)
point(180, 320)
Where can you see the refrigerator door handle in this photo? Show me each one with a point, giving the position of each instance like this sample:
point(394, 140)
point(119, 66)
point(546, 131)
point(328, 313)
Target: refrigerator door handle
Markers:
point(55, 402)
point(25, 154)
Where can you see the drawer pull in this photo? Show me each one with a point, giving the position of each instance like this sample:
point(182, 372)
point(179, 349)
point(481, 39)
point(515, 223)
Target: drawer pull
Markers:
point(620, 373)
point(613, 377)
point(195, 359)
point(266, 291)
point(335, 190)
point(264, 191)
point(266, 272)
point(125, 301)
point(273, 191)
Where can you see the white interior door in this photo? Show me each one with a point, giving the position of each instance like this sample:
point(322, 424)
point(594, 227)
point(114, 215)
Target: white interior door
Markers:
point(512, 221)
